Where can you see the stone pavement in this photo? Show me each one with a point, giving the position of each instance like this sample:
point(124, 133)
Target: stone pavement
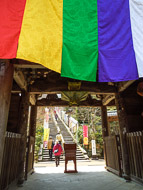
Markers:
point(91, 176)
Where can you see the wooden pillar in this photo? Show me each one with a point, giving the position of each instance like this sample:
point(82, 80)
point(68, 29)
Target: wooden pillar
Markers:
point(32, 132)
point(104, 128)
point(33, 116)
point(23, 122)
point(104, 121)
point(6, 80)
point(123, 128)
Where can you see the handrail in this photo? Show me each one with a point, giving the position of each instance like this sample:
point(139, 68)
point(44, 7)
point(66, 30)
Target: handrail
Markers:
point(83, 151)
point(58, 128)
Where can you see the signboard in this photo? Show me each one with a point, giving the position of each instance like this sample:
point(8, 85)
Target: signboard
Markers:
point(93, 147)
point(85, 135)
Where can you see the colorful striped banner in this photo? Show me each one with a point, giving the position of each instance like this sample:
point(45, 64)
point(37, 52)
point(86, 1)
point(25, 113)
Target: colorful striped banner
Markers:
point(11, 14)
point(76, 38)
point(41, 35)
point(80, 40)
point(116, 53)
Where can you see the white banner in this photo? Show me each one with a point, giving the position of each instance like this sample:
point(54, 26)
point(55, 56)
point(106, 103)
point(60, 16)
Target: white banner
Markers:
point(93, 147)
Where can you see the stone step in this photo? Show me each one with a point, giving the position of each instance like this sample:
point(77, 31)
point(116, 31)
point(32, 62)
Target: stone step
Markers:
point(53, 159)
point(67, 139)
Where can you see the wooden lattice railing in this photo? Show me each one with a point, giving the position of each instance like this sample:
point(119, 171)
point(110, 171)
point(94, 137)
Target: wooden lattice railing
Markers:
point(113, 154)
point(135, 151)
point(10, 159)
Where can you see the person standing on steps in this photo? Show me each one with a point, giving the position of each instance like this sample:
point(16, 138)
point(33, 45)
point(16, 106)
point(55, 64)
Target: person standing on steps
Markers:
point(57, 152)
point(56, 117)
point(50, 147)
point(59, 137)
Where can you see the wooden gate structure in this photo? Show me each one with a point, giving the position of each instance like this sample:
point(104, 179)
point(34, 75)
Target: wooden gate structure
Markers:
point(22, 84)
point(11, 150)
point(135, 151)
point(113, 154)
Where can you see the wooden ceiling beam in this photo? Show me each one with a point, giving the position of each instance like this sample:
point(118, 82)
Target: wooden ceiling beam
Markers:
point(59, 102)
point(32, 99)
point(20, 79)
point(23, 64)
point(124, 85)
point(107, 99)
point(45, 87)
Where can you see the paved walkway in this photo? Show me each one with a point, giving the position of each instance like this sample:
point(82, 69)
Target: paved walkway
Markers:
point(90, 176)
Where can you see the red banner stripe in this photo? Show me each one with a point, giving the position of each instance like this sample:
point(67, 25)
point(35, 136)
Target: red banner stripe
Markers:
point(11, 15)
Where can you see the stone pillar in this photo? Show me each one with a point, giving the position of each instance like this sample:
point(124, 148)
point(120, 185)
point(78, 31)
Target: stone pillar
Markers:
point(104, 128)
point(6, 80)
point(23, 122)
point(123, 128)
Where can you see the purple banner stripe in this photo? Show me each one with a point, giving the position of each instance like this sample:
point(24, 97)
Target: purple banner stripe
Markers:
point(116, 54)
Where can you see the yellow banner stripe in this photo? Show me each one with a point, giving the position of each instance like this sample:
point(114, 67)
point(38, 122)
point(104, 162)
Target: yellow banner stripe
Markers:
point(41, 34)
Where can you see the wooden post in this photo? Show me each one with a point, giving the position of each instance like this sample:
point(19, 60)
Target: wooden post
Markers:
point(33, 127)
point(32, 132)
point(123, 128)
point(33, 116)
point(23, 122)
point(6, 80)
point(104, 128)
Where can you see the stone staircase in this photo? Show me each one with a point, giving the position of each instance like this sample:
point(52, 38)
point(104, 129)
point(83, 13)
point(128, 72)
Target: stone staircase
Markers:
point(67, 139)
point(53, 133)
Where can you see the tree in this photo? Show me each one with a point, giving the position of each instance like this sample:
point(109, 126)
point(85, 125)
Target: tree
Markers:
point(39, 130)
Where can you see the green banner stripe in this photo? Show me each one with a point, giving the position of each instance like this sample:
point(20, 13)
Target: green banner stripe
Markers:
point(80, 39)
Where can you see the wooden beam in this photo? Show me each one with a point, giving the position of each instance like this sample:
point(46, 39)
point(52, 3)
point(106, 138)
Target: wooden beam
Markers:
point(6, 79)
point(44, 87)
point(50, 103)
point(23, 64)
point(20, 79)
point(124, 85)
point(107, 99)
point(32, 99)
point(59, 102)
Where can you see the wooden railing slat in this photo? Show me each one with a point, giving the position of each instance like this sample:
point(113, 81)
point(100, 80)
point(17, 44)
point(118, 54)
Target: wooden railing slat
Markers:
point(135, 149)
point(10, 159)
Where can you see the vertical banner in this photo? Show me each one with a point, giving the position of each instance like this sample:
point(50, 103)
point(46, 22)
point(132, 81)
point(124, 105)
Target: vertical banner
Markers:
point(85, 135)
point(46, 127)
point(46, 134)
point(93, 147)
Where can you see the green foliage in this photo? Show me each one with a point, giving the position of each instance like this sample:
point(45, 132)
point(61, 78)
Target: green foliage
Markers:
point(38, 140)
point(92, 118)
point(79, 134)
